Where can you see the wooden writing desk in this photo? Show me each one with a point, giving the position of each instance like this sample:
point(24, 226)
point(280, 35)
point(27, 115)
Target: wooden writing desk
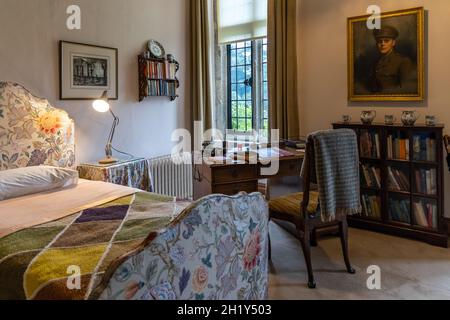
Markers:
point(230, 179)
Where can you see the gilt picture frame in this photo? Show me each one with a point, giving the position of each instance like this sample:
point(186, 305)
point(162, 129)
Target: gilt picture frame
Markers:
point(86, 71)
point(387, 64)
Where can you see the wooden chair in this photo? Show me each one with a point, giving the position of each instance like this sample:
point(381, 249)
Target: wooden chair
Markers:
point(303, 210)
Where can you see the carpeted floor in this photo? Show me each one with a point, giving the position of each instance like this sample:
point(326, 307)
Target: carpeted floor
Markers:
point(409, 269)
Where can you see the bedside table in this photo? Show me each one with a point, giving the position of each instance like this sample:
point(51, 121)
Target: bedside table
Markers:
point(133, 173)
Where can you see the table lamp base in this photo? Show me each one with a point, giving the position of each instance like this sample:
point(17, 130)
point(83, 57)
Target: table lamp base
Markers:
point(108, 161)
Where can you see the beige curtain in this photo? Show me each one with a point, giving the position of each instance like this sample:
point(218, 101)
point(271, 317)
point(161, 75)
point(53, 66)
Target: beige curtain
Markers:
point(282, 64)
point(201, 62)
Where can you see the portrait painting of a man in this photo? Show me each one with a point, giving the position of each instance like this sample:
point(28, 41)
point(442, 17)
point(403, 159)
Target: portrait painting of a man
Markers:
point(386, 63)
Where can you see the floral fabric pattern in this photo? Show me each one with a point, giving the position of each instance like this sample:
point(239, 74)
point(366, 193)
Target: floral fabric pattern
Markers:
point(32, 132)
point(134, 173)
point(216, 250)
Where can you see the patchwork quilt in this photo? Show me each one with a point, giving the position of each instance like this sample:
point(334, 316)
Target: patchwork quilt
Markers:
point(66, 259)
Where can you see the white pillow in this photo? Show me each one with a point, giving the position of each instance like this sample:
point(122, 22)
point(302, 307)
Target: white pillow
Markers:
point(24, 181)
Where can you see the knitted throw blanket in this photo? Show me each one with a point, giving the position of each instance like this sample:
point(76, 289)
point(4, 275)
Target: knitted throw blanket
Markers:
point(336, 172)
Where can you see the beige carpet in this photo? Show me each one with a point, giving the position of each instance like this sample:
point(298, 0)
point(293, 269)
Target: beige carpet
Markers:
point(409, 269)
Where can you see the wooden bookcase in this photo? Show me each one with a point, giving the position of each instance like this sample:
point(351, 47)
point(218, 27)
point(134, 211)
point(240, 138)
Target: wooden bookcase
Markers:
point(402, 187)
point(157, 78)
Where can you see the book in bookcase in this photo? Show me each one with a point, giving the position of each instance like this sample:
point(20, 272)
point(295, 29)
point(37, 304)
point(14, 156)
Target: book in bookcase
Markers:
point(370, 144)
point(398, 147)
point(398, 179)
point(425, 181)
point(370, 176)
point(425, 214)
point(371, 206)
point(424, 147)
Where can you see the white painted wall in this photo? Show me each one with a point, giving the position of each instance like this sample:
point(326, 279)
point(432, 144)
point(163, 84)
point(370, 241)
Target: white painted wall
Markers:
point(323, 64)
point(29, 35)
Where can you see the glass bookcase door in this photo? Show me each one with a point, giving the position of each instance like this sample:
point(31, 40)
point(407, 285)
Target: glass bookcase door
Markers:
point(425, 146)
point(425, 213)
point(369, 143)
point(371, 203)
point(398, 145)
point(399, 208)
point(398, 178)
point(370, 176)
point(425, 180)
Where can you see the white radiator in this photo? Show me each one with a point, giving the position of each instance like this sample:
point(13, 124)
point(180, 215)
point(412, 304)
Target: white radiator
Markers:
point(172, 179)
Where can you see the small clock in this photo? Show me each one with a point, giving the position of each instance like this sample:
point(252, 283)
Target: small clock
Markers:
point(156, 49)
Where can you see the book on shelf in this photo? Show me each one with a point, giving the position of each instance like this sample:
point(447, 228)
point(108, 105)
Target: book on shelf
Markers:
point(425, 215)
point(425, 148)
point(160, 70)
point(371, 206)
point(161, 88)
point(426, 181)
point(370, 144)
point(398, 180)
point(399, 210)
point(371, 176)
point(398, 148)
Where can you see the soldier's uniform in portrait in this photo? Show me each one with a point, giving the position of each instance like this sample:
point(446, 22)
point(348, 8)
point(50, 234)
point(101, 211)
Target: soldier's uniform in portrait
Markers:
point(393, 72)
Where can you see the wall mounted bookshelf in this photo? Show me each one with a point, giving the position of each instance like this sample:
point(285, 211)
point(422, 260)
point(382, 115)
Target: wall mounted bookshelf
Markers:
point(402, 188)
point(157, 78)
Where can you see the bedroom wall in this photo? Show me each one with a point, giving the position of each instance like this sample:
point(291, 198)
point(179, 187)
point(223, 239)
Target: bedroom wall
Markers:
point(29, 35)
point(323, 64)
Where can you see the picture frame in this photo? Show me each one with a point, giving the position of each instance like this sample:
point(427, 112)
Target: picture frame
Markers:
point(387, 64)
point(87, 70)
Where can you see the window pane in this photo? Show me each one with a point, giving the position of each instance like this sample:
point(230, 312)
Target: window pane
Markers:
point(235, 124)
point(233, 74)
point(248, 94)
point(241, 110)
point(241, 91)
point(249, 124)
point(248, 72)
point(240, 45)
point(241, 125)
point(232, 57)
point(233, 92)
point(234, 108)
point(241, 75)
point(248, 110)
point(240, 57)
point(264, 72)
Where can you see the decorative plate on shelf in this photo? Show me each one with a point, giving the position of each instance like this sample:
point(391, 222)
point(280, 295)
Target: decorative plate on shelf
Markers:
point(156, 49)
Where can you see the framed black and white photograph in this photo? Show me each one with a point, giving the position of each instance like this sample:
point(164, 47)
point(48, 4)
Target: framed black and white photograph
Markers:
point(86, 71)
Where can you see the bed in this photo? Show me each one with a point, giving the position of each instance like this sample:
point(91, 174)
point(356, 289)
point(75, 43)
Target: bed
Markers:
point(94, 240)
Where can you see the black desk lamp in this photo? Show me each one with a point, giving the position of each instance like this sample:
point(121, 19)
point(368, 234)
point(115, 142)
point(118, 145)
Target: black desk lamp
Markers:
point(102, 105)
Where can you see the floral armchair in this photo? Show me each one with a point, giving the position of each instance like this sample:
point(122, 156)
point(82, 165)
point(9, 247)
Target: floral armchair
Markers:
point(216, 250)
point(32, 132)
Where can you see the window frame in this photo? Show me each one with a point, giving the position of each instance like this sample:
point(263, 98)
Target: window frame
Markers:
point(257, 70)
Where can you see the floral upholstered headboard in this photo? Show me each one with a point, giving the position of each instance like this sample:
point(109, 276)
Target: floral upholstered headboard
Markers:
point(32, 132)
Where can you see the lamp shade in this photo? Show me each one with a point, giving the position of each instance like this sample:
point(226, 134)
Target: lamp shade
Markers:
point(101, 105)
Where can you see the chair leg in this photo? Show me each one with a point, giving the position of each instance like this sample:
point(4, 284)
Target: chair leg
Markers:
point(305, 241)
point(343, 231)
point(270, 249)
point(313, 240)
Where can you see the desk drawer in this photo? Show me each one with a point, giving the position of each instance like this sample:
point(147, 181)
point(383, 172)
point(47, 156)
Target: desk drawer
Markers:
point(234, 188)
point(234, 173)
point(289, 168)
